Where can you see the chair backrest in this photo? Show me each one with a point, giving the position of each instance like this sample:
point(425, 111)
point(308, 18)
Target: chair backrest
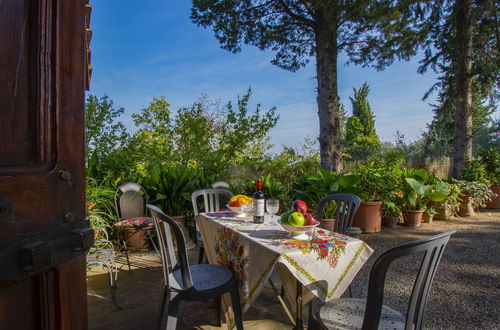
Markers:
point(130, 201)
point(347, 206)
point(432, 249)
point(172, 259)
point(211, 199)
point(220, 184)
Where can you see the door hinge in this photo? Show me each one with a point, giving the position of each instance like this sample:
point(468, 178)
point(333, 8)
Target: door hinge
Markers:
point(32, 254)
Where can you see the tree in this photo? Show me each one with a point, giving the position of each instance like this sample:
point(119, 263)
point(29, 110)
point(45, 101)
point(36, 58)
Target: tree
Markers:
point(104, 134)
point(152, 141)
point(213, 137)
point(439, 138)
point(361, 140)
point(299, 29)
point(462, 45)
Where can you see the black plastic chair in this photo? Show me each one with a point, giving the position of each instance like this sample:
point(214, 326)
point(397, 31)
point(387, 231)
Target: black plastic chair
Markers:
point(185, 282)
point(130, 206)
point(347, 206)
point(213, 200)
point(371, 314)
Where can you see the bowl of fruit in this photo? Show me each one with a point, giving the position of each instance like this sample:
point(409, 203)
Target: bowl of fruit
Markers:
point(297, 221)
point(240, 204)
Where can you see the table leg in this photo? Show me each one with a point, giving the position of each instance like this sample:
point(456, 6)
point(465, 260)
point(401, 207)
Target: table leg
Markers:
point(298, 317)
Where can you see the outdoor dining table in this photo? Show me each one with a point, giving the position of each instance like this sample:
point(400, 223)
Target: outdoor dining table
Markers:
point(324, 264)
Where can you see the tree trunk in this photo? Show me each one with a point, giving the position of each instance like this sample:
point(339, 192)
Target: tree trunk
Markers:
point(463, 114)
point(330, 138)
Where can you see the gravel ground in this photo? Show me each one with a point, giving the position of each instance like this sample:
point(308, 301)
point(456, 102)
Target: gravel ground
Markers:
point(465, 291)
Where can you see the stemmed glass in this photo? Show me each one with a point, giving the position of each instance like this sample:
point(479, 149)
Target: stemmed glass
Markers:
point(272, 206)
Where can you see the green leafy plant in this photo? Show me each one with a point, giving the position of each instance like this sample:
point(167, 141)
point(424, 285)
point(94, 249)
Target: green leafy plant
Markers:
point(272, 189)
point(390, 209)
point(490, 158)
point(171, 187)
point(413, 194)
point(374, 182)
point(479, 193)
point(313, 187)
point(474, 170)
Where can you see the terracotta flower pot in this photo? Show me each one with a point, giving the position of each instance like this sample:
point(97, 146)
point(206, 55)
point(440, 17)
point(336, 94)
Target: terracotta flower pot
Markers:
point(181, 221)
point(427, 217)
point(369, 216)
point(495, 202)
point(466, 209)
point(136, 239)
point(412, 218)
point(327, 224)
point(390, 222)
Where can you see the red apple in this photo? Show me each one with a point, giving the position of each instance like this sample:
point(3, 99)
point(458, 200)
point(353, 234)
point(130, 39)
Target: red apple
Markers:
point(299, 206)
point(310, 220)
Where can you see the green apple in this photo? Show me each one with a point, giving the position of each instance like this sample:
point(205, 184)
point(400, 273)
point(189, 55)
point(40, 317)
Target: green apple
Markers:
point(296, 219)
point(284, 217)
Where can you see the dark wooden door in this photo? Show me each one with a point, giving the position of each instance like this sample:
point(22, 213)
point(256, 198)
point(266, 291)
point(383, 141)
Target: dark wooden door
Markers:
point(42, 192)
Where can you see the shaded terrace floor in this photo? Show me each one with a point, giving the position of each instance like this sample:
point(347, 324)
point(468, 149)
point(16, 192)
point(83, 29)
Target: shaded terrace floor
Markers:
point(465, 292)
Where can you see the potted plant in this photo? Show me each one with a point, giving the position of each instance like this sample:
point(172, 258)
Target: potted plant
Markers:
point(436, 191)
point(390, 214)
point(311, 188)
point(428, 214)
point(473, 195)
point(373, 184)
point(490, 158)
point(170, 189)
point(413, 202)
point(449, 206)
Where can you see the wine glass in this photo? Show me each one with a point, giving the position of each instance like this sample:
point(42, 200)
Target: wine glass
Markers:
point(272, 206)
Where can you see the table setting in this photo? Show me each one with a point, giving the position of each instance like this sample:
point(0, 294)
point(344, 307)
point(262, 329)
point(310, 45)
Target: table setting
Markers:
point(323, 262)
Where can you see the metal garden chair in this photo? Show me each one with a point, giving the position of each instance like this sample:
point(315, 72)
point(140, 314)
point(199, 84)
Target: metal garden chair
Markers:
point(103, 254)
point(185, 282)
point(213, 200)
point(347, 206)
point(371, 314)
point(130, 206)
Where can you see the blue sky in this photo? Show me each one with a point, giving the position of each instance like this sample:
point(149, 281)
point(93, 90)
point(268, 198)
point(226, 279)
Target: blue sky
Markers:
point(149, 48)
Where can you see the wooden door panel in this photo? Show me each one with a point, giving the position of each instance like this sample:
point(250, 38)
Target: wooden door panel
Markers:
point(42, 63)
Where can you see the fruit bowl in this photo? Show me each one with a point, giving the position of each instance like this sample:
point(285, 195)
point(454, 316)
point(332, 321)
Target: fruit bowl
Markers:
point(298, 232)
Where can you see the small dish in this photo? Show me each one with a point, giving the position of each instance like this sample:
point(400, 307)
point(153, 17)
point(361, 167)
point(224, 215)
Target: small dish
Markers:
point(298, 232)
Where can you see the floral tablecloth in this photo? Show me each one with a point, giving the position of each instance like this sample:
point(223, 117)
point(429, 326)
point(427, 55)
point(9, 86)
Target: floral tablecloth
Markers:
point(325, 264)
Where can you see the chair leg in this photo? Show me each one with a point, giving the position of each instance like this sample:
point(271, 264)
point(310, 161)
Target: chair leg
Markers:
point(201, 255)
point(173, 310)
point(113, 297)
point(350, 291)
point(217, 308)
point(126, 255)
point(112, 272)
point(164, 296)
point(235, 302)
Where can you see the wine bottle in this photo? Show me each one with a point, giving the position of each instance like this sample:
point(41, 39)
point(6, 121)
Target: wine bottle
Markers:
point(258, 204)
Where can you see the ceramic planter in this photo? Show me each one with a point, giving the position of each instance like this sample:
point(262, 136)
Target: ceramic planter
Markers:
point(390, 222)
point(495, 202)
point(369, 216)
point(427, 217)
point(327, 224)
point(466, 209)
point(412, 218)
point(181, 221)
point(136, 239)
